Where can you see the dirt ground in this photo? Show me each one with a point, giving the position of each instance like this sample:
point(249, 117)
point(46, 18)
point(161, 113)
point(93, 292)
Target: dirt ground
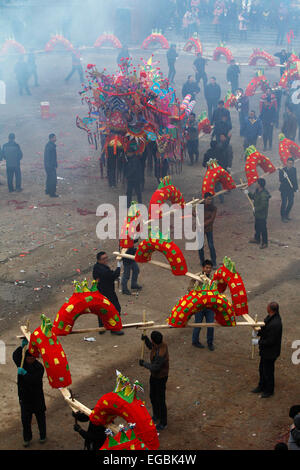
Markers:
point(46, 244)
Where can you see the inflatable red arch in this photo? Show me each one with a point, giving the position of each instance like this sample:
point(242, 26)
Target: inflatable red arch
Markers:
point(156, 37)
point(85, 300)
point(197, 300)
point(58, 39)
point(253, 160)
point(223, 51)
point(124, 403)
point(108, 39)
point(43, 342)
point(171, 251)
point(193, 43)
point(12, 44)
point(256, 82)
point(227, 276)
point(216, 173)
point(287, 149)
point(166, 191)
point(257, 55)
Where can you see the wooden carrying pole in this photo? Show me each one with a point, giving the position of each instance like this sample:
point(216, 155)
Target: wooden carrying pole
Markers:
point(209, 325)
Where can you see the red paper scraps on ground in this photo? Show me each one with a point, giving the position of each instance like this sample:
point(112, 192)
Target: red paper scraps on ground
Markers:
point(85, 211)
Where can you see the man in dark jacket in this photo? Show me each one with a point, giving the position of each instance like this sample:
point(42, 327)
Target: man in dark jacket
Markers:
point(261, 205)
point(210, 212)
point(12, 153)
point(94, 437)
point(212, 94)
point(269, 349)
point(232, 75)
point(199, 66)
point(171, 57)
point(30, 392)
point(192, 138)
point(106, 283)
point(76, 67)
point(268, 116)
point(159, 368)
point(283, 56)
point(22, 75)
point(242, 106)
point(277, 91)
point(288, 186)
point(130, 265)
point(50, 164)
point(252, 130)
point(219, 112)
point(190, 87)
point(290, 124)
point(133, 173)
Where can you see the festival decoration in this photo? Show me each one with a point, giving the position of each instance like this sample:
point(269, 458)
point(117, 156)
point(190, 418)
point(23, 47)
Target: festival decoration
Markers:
point(254, 159)
point(208, 297)
point(171, 251)
point(227, 275)
point(108, 38)
point(287, 149)
point(123, 402)
point(216, 173)
point(124, 440)
point(229, 100)
point(85, 300)
point(193, 43)
point(59, 39)
point(156, 36)
point(204, 123)
point(292, 73)
point(132, 224)
point(11, 43)
point(258, 54)
point(258, 81)
point(44, 342)
point(222, 50)
point(165, 192)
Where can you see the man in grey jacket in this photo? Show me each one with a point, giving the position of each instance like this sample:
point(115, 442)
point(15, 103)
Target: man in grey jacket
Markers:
point(12, 153)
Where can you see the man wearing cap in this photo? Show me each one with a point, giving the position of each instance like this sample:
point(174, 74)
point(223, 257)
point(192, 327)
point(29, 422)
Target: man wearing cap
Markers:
point(30, 391)
point(159, 368)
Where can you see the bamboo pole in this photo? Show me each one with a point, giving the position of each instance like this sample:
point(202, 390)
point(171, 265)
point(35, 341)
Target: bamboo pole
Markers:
point(209, 325)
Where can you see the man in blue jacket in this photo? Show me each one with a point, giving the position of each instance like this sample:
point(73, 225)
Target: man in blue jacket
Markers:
point(252, 130)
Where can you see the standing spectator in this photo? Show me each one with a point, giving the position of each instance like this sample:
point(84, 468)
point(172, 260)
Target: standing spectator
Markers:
point(243, 21)
point(269, 349)
point(242, 106)
point(212, 94)
point(268, 113)
point(13, 155)
point(252, 130)
point(171, 57)
point(133, 173)
point(283, 56)
point(22, 75)
point(261, 206)
point(222, 130)
point(224, 21)
point(204, 313)
point(50, 164)
point(105, 278)
point(112, 158)
point(210, 212)
point(192, 138)
point(290, 124)
point(32, 69)
point(199, 67)
point(76, 67)
point(219, 112)
point(232, 75)
point(186, 22)
point(190, 87)
point(130, 265)
point(277, 91)
point(288, 186)
point(159, 368)
point(30, 392)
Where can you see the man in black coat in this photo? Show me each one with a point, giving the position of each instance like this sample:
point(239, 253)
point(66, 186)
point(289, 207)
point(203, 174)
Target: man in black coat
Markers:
point(94, 437)
point(130, 265)
point(290, 124)
point(269, 350)
point(192, 138)
point(106, 283)
point(283, 56)
point(171, 57)
point(212, 94)
point(22, 75)
point(219, 112)
point(288, 187)
point(30, 392)
point(12, 153)
point(199, 66)
point(190, 87)
point(134, 174)
point(50, 163)
point(252, 130)
point(232, 75)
